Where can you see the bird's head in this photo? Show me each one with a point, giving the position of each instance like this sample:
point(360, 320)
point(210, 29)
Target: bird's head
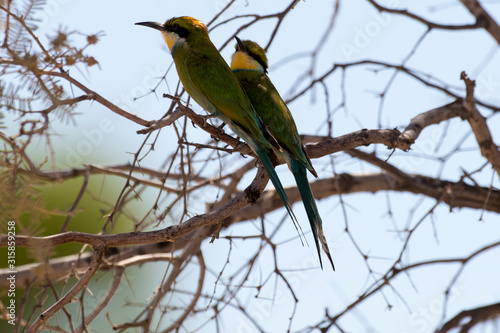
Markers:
point(249, 56)
point(179, 30)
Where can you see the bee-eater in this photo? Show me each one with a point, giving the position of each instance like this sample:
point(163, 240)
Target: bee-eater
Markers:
point(208, 79)
point(249, 65)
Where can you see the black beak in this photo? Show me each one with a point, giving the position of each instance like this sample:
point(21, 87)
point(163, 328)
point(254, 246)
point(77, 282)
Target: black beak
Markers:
point(241, 46)
point(154, 25)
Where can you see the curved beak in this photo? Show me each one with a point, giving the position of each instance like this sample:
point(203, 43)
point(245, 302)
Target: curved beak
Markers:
point(241, 46)
point(154, 25)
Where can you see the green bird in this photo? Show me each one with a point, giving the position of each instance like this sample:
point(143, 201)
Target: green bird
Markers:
point(208, 79)
point(249, 65)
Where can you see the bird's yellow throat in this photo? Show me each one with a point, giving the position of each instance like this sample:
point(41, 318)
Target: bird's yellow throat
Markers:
point(170, 39)
point(242, 61)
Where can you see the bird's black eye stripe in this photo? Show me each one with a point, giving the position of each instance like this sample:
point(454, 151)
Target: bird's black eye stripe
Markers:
point(259, 60)
point(181, 31)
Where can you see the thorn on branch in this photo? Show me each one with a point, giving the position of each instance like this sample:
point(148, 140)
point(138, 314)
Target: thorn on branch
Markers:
point(174, 98)
point(216, 233)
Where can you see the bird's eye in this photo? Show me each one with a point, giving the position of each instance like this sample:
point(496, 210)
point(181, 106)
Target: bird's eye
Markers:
point(179, 30)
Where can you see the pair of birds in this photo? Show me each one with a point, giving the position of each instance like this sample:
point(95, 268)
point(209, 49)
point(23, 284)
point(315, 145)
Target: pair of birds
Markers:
point(245, 99)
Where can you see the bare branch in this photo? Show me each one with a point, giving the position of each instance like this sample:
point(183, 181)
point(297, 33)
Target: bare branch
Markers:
point(429, 24)
point(467, 319)
point(166, 121)
point(94, 266)
point(458, 195)
point(92, 95)
point(432, 117)
point(484, 18)
point(172, 233)
point(479, 126)
point(197, 190)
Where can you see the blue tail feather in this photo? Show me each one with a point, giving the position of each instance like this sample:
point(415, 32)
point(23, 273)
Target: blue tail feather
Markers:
point(273, 176)
point(300, 174)
point(269, 167)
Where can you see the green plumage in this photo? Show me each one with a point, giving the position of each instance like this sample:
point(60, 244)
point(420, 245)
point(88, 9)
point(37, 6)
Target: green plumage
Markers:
point(209, 81)
point(249, 65)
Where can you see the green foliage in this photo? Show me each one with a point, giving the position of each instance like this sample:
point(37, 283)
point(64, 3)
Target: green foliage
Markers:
point(40, 210)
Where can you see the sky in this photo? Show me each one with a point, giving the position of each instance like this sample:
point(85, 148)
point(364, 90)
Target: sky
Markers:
point(132, 59)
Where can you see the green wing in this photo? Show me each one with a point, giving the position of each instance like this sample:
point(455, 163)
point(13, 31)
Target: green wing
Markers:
point(219, 92)
point(211, 83)
point(274, 114)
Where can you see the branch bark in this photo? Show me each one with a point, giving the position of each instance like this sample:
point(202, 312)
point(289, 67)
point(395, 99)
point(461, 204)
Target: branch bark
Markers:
point(429, 24)
point(467, 319)
point(459, 195)
point(479, 126)
point(483, 17)
point(169, 234)
point(94, 266)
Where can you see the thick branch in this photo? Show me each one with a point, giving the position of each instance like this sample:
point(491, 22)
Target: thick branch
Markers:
point(467, 319)
point(75, 265)
point(432, 117)
point(365, 137)
point(479, 126)
point(483, 17)
point(170, 234)
point(454, 194)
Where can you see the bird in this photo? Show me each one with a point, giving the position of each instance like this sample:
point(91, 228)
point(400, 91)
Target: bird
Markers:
point(207, 78)
point(249, 64)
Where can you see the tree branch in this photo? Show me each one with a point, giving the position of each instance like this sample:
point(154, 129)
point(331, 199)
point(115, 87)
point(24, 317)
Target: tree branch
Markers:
point(479, 126)
point(452, 193)
point(432, 117)
point(169, 234)
point(82, 282)
point(483, 18)
point(92, 95)
point(429, 24)
point(467, 319)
